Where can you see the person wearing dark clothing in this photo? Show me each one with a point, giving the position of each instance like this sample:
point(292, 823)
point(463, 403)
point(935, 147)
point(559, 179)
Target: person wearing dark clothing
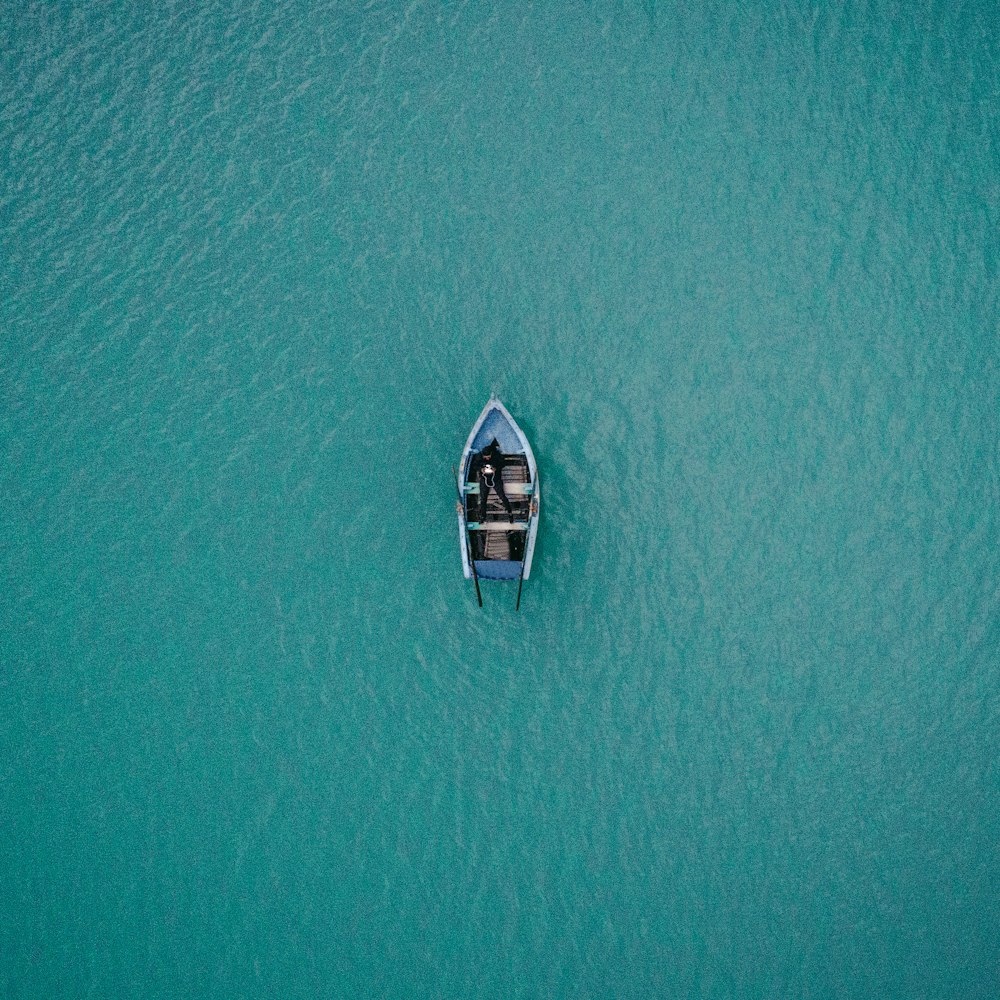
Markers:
point(488, 469)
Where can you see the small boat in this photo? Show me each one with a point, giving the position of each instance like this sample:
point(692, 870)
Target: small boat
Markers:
point(497, 539)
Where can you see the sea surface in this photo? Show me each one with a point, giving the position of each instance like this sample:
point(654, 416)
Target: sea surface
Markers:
point(734, 269)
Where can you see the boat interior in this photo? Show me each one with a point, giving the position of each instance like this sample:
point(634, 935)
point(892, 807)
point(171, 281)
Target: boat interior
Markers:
point(508, 541)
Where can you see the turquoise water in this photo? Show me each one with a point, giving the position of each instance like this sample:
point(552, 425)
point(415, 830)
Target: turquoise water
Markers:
point(734, 271)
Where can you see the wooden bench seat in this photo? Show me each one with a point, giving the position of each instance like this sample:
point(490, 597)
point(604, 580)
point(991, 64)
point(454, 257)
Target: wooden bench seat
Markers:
point(497, 526)
point(511, 489)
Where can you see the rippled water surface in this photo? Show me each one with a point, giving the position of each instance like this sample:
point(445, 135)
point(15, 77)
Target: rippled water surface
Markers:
point(734, 270)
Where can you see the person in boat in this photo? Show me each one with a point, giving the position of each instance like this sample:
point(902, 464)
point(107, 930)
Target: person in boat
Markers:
point(487, 466)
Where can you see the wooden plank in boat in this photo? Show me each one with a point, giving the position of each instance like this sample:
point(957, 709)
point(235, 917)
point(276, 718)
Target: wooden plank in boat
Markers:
point(497, 526)
point(511, 489)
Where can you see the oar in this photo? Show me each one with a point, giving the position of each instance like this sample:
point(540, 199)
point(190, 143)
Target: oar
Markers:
point(520, 577)
point(468, 538)
point(475, 575)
